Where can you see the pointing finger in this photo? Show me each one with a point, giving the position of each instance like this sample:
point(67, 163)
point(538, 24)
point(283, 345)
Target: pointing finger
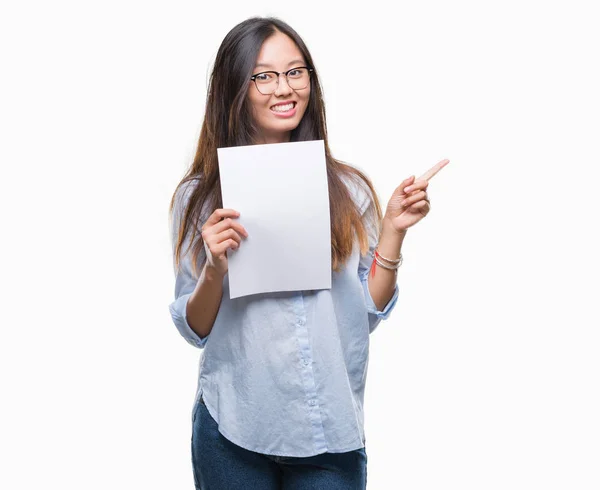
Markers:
point(434, 170)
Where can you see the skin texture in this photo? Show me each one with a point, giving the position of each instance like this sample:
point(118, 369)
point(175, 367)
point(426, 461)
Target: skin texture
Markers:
point(278, 53)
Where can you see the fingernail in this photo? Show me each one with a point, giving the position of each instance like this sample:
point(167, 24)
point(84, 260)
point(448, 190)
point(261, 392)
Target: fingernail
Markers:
point(408, 189)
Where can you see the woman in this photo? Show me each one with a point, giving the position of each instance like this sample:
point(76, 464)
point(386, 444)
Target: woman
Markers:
point(281, 382)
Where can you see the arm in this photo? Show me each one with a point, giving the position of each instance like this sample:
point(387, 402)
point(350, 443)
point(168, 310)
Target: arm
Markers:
point(383, 284)
point(197, 301)
point(404, 209)
point(203, 304)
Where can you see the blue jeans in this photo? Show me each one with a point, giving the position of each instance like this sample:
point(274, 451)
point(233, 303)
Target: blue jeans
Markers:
point(220, 464)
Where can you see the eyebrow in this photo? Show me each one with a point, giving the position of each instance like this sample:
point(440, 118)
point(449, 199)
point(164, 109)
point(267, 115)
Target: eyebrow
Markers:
point(266, 65)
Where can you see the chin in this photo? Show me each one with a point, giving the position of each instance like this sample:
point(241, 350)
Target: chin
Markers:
point(285, 125)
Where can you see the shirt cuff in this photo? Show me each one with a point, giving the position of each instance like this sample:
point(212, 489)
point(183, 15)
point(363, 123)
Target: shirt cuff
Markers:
point(371, 307)
point(178, 309)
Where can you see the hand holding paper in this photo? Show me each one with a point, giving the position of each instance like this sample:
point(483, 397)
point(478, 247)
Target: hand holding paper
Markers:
point(220, 233)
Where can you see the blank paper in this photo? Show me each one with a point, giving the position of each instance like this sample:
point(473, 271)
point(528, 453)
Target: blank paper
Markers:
point(281, 193)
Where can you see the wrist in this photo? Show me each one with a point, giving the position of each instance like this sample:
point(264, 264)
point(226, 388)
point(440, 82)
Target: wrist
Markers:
point(388, 229)
point(212, 274)
point(390, 242)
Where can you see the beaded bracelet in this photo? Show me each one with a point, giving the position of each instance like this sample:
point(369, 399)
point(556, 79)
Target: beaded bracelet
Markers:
point(376, 260)
point(397, 261)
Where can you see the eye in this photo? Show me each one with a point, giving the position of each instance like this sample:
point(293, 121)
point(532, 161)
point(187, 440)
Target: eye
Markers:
point(264, 77)
point(296, 72)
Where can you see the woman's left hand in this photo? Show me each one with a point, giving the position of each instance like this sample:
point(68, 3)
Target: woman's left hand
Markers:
point(409, 203)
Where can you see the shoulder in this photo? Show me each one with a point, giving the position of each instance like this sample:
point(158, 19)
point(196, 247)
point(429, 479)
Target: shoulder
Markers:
point(185, 188)
point(182, 194)
point(359, 191)
point(180, 201)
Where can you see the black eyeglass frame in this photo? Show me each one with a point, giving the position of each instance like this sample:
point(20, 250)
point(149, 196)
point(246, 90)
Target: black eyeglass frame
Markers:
point(253, 77)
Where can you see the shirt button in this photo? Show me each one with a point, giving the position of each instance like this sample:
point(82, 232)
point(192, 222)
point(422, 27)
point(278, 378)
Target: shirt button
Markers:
point(306, 362)
point(312, 403)
point(300, 323)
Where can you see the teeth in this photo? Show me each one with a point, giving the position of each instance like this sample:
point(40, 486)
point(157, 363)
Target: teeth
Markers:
point(282, 108)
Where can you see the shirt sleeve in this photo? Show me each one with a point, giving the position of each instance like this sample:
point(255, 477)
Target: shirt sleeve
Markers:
point(185, 283)
point(364, 268)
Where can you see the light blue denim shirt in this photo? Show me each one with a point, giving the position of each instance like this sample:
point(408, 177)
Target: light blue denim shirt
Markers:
point(284, 373)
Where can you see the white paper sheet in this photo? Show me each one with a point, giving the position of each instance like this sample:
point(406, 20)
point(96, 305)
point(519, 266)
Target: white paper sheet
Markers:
point(281, 193)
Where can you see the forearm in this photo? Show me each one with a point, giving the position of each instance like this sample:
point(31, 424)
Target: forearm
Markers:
point(204, 303)
point(382, 285)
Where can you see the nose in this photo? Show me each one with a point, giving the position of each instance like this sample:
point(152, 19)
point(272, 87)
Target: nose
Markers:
point(282, 87)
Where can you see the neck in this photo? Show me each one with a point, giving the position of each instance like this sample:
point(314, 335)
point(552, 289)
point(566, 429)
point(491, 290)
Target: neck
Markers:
point(266, 139)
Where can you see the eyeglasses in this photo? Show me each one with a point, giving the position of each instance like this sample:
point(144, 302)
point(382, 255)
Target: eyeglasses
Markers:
point(268, 81)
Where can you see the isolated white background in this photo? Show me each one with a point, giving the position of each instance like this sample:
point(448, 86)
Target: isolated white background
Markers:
point(486, 376)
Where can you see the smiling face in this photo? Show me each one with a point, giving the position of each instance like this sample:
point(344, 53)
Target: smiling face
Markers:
point(278, 53)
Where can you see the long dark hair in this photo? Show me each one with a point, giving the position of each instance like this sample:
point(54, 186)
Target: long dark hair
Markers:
point(228, 122)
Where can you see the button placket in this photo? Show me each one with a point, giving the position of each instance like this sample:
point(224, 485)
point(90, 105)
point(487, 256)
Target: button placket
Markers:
point(307, 374)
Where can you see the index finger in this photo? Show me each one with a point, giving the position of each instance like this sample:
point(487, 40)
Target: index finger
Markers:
point(219, 214)
point(434, 170)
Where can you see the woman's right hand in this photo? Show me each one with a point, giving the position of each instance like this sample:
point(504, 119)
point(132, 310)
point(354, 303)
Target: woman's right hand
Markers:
point(220, 233)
